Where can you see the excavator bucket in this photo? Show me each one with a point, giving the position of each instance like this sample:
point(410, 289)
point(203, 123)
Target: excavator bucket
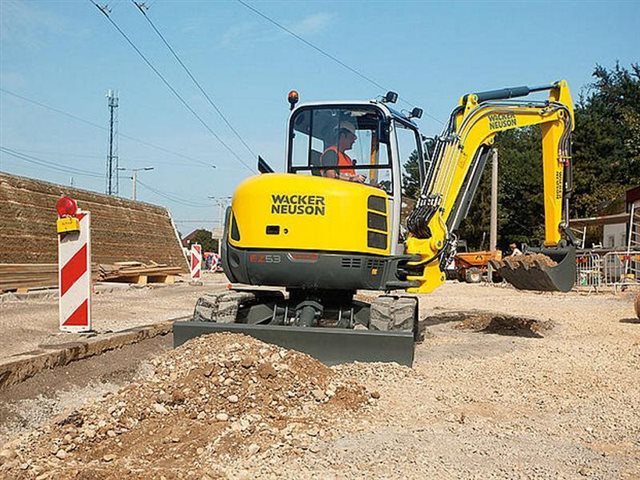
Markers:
point(544, 269)
point(267, 316)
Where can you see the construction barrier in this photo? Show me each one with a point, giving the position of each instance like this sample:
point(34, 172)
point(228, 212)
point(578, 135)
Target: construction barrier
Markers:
point(74, 276)
point(196, 262)
point(621, 268)
point(588, 270)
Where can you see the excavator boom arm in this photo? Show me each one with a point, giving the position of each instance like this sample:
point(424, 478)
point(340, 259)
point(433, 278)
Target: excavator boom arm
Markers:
point(460, 155)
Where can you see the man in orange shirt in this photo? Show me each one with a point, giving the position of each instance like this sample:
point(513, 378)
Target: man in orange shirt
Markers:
point(335, 155)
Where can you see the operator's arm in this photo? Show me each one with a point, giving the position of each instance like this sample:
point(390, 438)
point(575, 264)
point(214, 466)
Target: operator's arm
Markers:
point(330, 159)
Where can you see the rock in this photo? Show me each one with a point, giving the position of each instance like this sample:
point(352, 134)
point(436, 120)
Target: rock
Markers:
point(318, 394)
point(200, 450)
point(109, 458)
point(178, 396)
point(248, 362)
point(266, 370)
point(201, 416)
point(233, 398)
point(375, 394)
point(8, 454)
point(253, 448)
point(222, 417)
point(161, 409)
point(61, 454)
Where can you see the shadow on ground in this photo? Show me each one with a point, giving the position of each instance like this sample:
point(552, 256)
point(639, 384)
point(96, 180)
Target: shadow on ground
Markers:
point(630, 320)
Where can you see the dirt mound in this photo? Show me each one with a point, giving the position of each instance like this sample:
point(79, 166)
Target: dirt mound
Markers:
point(214, 400)
point(530, 259)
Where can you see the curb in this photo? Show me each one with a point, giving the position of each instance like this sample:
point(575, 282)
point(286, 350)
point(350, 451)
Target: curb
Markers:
point(31, 363)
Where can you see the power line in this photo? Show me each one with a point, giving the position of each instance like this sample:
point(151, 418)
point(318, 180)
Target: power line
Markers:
point(101, 127)
point(66, 154)
point(105, 12)
point(173, 198)
point(328, 55)
point(142, 7)
point(44, 163)
point(77, 171)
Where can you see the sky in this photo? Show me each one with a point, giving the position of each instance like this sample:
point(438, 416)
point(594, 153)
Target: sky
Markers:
point(59, 59)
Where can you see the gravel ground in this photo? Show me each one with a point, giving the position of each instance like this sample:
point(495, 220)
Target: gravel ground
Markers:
point(29, 323)
point(507, 384)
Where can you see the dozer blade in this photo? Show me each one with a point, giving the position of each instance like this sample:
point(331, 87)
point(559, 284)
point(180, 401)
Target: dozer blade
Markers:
point(533, 272)
point(331, 346)
point(265, 314)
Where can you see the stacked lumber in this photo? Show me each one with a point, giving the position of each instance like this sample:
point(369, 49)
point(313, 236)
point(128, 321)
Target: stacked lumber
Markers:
point(26, 276)
point(21, 276)
point(138, 272)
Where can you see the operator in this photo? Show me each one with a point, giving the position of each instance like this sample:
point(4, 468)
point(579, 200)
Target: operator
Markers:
point(335, 155)
point(514, 250)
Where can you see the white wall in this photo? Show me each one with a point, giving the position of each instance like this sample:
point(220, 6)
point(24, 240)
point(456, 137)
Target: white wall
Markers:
point(614, 236)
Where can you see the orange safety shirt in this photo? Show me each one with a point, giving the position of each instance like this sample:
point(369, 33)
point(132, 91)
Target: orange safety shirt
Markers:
point(343, 160)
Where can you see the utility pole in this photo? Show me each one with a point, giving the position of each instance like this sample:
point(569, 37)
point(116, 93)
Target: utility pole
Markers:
point(112, 155)
point(493, 230)
point(134, 178)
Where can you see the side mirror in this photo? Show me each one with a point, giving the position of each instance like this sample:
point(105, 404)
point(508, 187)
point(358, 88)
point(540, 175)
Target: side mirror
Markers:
point(391, 97)
point(263, 166)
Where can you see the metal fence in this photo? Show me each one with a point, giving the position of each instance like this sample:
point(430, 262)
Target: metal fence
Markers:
point(589, 270)
point(621, 268)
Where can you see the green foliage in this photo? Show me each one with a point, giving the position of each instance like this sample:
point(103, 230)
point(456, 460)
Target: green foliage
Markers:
point(606, 143)
point(203, 237)
point(411, 172)
point(411, 177)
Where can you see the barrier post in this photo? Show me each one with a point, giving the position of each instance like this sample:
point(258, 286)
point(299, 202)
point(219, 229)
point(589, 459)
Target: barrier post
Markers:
point(196, 264)
point(74, 266)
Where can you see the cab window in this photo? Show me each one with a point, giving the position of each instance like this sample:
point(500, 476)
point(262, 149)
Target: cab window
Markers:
point(350, 140)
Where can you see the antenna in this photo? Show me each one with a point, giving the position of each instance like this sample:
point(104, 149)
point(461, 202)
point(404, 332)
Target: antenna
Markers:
point(112, 154)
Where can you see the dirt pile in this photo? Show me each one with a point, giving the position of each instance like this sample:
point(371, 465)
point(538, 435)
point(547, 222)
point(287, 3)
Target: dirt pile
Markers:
point(531, 260)
point(211, 403)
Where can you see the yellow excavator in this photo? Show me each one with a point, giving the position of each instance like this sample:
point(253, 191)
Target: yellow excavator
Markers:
point(305, 241)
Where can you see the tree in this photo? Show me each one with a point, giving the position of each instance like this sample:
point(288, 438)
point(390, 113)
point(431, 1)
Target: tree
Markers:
point(607, 139)
point(203, 237)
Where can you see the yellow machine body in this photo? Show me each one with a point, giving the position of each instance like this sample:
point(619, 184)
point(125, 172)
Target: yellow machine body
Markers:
point(282, 211)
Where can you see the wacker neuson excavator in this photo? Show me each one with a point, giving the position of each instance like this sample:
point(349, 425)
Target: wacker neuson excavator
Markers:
point(331, 225)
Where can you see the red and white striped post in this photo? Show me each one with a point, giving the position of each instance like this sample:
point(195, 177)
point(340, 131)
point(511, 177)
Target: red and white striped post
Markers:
point(196, 263)
point(74, 266)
